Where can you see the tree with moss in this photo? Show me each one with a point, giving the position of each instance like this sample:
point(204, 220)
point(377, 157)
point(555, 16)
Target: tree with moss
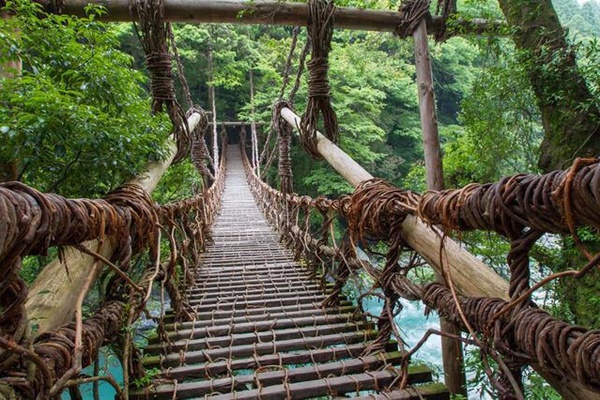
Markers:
point(570, 114)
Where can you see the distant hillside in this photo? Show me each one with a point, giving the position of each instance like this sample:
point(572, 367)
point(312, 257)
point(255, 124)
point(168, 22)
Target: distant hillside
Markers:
point(581, 19)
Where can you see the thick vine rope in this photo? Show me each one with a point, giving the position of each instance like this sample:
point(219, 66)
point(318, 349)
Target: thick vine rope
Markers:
point(154, 34)
point(301, 64)
point(33, 222)
point(513, 333)
point(412, 13)
point(199, 153)
point(320, 32)
point(288, 61)
point(284, 138)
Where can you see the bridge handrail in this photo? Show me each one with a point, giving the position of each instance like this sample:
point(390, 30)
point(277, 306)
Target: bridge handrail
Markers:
point(508, 325)
point(125, 223)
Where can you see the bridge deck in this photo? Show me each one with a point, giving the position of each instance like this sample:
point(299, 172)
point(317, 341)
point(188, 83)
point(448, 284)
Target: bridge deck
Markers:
point(260, 331)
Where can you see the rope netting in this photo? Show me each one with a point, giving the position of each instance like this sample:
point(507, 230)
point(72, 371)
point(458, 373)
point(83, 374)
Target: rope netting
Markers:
point(33, 222)
point(514, 332)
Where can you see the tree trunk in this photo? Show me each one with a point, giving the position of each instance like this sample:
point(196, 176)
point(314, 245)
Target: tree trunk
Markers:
point(569, 116)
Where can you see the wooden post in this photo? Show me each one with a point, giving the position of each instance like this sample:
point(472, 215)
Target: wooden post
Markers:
point(52, 296)
point(213, 105)
point(452, 351)
point(254, 136)
point(429, 124)
point(470, 275)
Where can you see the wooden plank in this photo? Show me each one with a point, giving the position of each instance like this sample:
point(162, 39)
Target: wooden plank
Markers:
point(247, 261)
point(242, 290)
point(254, 281)
point(311, 343)
point(256, 326)
point(216, 314)
point(250, 282)
point(243, 298)
point(274, 13)
point(269, 336)
point(249, 274)
point(315, 301)
point(432, 391)
point(354, 383)
point(254, 294)
point(261, 317)
point(250, 289)
point(417, 374)
point(220, 367)
point(247, 264)
point(266, 266)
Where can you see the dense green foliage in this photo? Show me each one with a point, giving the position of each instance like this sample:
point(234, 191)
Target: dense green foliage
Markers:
point(76, 121)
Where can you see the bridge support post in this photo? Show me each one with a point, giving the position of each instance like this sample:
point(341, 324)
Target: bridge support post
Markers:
point(212, 100)
point(452, 350)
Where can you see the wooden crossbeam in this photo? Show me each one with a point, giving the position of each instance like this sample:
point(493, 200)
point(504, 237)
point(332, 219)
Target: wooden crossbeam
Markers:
point(265, 12)
point(235, 123)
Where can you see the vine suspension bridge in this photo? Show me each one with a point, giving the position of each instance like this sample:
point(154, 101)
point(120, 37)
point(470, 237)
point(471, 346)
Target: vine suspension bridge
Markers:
point(260, 329)
point(260, 314)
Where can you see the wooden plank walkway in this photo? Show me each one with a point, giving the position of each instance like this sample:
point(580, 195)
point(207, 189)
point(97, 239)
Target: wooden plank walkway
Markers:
point(260, 331)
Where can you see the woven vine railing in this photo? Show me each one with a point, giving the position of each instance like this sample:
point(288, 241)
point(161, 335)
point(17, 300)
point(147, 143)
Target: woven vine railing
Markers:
point(33, 222)
point(513, 333)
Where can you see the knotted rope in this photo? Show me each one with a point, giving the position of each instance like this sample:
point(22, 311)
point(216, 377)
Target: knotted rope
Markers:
point(154, 33)
point(284, 137)
point(199, 152)
point(411, 13)
point(320, 32)
point(447, 8)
